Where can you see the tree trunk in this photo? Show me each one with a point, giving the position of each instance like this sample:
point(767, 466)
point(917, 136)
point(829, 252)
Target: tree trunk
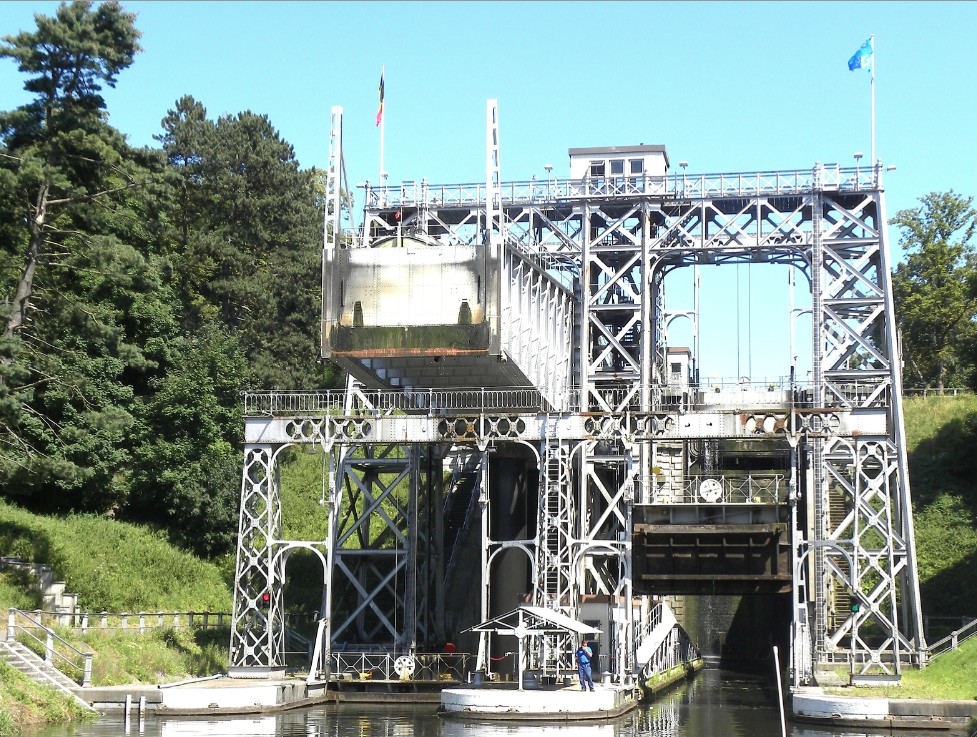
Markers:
point(26, 285)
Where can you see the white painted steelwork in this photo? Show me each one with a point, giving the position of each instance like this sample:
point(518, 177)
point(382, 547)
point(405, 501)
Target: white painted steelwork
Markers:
point(583, 262)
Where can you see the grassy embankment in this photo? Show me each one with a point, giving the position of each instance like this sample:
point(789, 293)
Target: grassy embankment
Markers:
point(941, 435)
point(113, 567)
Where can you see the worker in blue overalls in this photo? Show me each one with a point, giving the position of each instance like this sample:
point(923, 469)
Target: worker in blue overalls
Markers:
point(584, 656)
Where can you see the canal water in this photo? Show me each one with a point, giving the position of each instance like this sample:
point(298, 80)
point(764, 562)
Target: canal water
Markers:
point(714, 704)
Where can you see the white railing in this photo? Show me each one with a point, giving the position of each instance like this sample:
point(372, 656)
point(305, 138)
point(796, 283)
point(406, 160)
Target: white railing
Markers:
point(723, 490)
point(676, 648)
point(54, 647)
point(932, 392)
point(372, 403)
point(140, 622)
point(953, 640)
point(537, 328)
point(676, 186)
point(520, 400)
point(372, 666)
point(711, 393)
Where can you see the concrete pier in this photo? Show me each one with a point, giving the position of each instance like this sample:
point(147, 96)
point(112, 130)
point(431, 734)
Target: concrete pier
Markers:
point(813, 705)
point(544, 703)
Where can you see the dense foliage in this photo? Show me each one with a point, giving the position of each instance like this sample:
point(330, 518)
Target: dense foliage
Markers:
point(935, 291)
point(144, 289)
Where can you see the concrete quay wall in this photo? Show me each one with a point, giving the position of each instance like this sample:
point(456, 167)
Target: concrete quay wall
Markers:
point(813, 705)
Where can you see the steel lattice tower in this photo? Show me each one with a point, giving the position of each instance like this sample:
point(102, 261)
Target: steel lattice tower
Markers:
point(579, 267)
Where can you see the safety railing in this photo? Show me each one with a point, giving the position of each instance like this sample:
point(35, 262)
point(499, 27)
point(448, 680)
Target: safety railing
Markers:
point(953, 640)
point(649, 626)
point(520, 400)
point(676, 649)
point(723, 490)
point(716, 394)
point(932, 392)
point(371, 666)
point(56, 651)
point(139, 622)
point(675, 186)
point(372, 403)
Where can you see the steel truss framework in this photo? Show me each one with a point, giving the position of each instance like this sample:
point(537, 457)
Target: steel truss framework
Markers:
point(610, 243)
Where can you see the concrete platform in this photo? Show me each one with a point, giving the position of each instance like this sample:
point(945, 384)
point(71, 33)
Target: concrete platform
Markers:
point(222, 695)
point(544, 703)
point(113, 698)
point(207, 696)
point(813, 705)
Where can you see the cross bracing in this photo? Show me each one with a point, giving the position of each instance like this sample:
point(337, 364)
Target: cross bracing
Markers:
point(581, 318)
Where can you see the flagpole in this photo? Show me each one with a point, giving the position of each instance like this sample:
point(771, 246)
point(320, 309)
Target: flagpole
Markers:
point(382, 123)
point(873, 104)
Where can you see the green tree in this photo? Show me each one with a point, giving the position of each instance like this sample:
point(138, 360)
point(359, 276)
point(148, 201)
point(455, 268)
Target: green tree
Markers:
point(246, 239)
point(934, 289)
point(84, 304)
point(59, 140)
point(186, 459)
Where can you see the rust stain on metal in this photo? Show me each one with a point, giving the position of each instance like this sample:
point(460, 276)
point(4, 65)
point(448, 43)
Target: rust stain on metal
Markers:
point(401, 352)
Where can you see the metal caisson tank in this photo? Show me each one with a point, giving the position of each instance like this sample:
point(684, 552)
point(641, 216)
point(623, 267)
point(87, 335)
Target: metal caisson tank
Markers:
point(408, 295)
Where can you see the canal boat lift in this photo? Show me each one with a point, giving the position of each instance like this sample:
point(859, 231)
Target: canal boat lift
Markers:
point(517, 428)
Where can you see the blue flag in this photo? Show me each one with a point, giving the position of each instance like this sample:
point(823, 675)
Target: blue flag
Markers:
point(862, 59)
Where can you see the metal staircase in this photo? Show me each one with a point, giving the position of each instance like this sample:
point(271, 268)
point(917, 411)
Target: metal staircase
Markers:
point(662, 644)
point(33, 667)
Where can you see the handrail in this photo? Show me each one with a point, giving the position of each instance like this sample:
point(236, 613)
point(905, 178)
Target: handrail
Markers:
point(728, 490)
point(676, 648)
point(953, 640)
point(436, 402)
point(49, 645)
point(143, 621)
point(293, 637)
point(383, 666)
point(671, 186)
point(654, 620)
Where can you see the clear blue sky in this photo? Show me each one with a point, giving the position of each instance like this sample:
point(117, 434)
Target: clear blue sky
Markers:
point(726, 86)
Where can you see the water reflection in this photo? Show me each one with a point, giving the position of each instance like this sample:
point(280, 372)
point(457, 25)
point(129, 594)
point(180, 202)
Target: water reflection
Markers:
point(715, 704)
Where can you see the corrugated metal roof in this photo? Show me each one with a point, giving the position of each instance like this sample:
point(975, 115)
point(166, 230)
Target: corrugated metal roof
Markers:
point(617, 150)
point(534, 621)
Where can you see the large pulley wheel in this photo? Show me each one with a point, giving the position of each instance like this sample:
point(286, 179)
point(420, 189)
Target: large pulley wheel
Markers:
point(710, 490)
point(404, 666)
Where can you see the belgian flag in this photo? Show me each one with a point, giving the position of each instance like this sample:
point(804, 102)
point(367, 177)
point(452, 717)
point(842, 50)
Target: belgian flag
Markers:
point(380, 109)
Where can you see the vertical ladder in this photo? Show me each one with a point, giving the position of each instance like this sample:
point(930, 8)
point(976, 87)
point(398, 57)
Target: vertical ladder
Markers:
point(553, 588)
point(493, 175)
point(331, 228)
point(819, 527)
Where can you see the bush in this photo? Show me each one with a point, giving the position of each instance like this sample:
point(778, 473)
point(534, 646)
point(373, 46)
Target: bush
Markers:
point(158, 656)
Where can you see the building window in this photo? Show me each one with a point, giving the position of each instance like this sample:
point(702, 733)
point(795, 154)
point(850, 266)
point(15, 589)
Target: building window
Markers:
point(637, 166)
point(596, 168)
point(617, 167)
point(676, 368)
